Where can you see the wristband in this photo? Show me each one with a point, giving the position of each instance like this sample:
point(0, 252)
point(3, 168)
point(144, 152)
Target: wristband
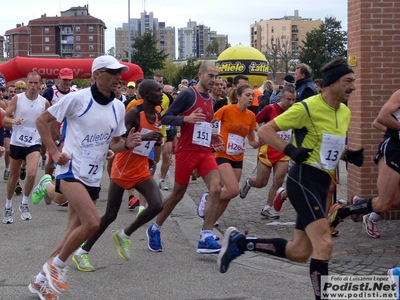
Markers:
point(126, 145)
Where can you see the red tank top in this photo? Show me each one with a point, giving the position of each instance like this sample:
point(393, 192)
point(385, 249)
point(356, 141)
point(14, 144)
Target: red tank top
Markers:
point(185, 142)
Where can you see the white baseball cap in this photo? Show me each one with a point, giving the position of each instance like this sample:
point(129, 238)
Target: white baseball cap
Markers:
point(109, 62)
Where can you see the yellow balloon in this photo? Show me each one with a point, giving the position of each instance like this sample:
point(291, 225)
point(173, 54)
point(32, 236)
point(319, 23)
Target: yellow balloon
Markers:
point(244, 60)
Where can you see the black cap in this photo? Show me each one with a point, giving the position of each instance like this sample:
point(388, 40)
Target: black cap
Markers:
point(289, 79)
point(49, 82)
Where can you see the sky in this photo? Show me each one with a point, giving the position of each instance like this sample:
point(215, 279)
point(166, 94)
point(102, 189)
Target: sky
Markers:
point(232, 18)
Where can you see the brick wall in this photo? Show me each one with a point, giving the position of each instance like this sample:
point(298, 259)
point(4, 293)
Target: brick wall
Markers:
point(374, 36)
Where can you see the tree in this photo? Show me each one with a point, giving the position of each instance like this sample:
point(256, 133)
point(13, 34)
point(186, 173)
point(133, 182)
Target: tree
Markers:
point(111, 51)
point(280, 56)
point(169, 72)
point(323, 44)
point(189, 71)
point(212, 49)
point(146, 54)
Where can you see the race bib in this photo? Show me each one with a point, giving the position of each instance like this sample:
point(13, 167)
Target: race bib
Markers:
point(145, 147)
point(202, 134)
point(216, 127)
point(28, 136)
point(285, 135)
point(332, 148)
point(235, 144)
point(92, 164)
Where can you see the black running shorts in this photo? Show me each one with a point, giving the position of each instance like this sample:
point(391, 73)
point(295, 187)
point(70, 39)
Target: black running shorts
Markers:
point(308, 189)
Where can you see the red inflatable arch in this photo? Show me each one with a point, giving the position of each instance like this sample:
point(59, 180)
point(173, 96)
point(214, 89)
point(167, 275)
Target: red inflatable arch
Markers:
point(19, 67)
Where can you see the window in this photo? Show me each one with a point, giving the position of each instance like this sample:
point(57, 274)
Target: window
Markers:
point(90, 28)
point(77, 38)
point(47, 48)
point(283, 28)
point(46, 30)
point(90, 38)
point(272, 29)
point(303, 37)
point(283, 37)
point(78, 29)
point(46, 39)
point(303, 28)
point(78, 47)
point(91, 47)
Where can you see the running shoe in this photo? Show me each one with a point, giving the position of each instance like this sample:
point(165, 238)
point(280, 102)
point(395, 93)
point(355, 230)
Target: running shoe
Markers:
point(355, 217)
point(279, 199)
point(25, 213)
point(47, 199)
point(133, 202)
point(335, 232)
point(42, 289)
point(6, 174)
point(269, 214)
point(371, 227)
point(140, 210)
point(123, 245)
point(394, 275)
point(8, 219)
point(202, 205)
point(154, 237)
point(162, 185)
point(18, 189)
point(208, 245)
point(230, 249)
point(82, 262)
point(22, 173)
point(245, 188)
point(333, 218)
point(56, 277)
point(39, 191)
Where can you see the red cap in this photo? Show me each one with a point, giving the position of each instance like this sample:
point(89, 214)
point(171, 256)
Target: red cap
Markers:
point(66, 73)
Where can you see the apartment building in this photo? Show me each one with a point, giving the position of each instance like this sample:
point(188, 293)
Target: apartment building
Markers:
point(75, 33)
point(289, 30)
point(165, 35)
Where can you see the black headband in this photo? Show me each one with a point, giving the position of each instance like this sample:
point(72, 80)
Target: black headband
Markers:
point(332, 75)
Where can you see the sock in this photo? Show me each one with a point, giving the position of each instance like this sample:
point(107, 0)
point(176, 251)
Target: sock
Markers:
point(374, 216)
point(81, 251)
point(162, 179)
point(40, 277)
point(123, 234)
point(58, 262)
point(8, 204)
point(363, 206)
point(25, 199)
point(266, 207)
point(275, 246)
point(155, 226)
point(47, 183)
point(205, 234)
point(7, 169)
point(317, 268)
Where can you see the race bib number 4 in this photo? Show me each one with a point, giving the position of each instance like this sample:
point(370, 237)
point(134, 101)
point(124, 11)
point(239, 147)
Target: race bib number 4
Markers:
point(202, 134)
point(145, 147)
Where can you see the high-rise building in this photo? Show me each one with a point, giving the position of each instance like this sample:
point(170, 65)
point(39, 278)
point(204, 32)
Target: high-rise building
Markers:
point(73, 34)
point(164, 35)
point(289, 30)
point(194, 39)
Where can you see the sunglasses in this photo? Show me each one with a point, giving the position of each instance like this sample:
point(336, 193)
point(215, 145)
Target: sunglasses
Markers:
point(112, 71)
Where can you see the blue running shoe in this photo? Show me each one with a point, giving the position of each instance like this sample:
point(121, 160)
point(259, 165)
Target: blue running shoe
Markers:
point(209, 245)
point(154, 237)
point(394, 275)
point(229, 249)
